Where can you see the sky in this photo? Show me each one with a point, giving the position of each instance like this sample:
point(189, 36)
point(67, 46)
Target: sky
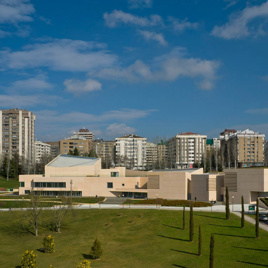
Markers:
point(150, 67)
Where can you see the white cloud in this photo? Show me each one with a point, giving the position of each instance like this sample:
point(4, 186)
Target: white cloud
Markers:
point(257, 111)
point(117, 16)
point(168, 67)
point(78, 86)
point(181, 25)
point(14, 11)
point(140, 3)
point(238, 25)
point(154, 36)
point(116, 129)
point(35, 84)
point(59, 55)
point(22, 101)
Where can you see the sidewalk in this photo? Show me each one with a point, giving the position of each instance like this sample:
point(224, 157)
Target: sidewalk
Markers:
point(251, 220)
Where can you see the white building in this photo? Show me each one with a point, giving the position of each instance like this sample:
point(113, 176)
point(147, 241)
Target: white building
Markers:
point(185, 149)
point(83, 132)
point(41, 148)
point(17, 133)
point(131, 152)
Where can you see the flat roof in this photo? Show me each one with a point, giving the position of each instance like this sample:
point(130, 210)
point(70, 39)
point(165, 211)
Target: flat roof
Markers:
point(72, 161)
point(190, 170)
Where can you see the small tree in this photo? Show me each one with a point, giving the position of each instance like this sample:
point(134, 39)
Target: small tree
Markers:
point(191, 223)
point(242, 212)
point(28, 260)
point(49, 244)
point(76, 152)
point(211, 256)
point(96, 250)
point(257, 219)
point(83, 264)
point(227, 206)
point(200, 242)
point(183, 218)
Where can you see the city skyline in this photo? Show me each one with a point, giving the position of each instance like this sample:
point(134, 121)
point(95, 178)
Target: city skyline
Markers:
point(147, 67)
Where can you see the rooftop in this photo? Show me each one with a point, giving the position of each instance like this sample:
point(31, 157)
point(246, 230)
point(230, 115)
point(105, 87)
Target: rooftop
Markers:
point(131, 136)
point(72, 161)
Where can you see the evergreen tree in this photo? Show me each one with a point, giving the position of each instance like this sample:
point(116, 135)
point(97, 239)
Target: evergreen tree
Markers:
point(227, 206)
point(242, 212)
point(70, 152)
point(96, 250)
point(183, 218)
point(257, 219)
point(191, 223)
point(76, 152)
point(211, 256)
point(199, 242)
point(92, 153)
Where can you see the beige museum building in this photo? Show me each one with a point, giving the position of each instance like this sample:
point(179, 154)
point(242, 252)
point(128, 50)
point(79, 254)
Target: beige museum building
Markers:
point(83, 176)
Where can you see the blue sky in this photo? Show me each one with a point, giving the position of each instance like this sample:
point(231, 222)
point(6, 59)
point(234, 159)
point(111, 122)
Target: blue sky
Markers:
point(150, 67)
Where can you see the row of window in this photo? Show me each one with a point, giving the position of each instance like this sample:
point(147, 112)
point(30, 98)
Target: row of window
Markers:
point(50, 184)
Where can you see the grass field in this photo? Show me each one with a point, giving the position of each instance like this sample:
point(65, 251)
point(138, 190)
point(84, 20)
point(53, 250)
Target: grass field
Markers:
point(136, 238)
point(11, 183)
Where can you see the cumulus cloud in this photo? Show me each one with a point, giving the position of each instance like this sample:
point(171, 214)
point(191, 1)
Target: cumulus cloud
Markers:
point(14, 11)
point(117, 17)
point(78, 86)
point(116, 129)
point(159, 38)
point(238, 25)
point(181, 25)
point(140, 3)
point(59, 55)
point(168, 67)
point(31, 84)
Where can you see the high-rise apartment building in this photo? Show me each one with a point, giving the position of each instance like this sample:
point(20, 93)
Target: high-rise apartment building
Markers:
point(185, 149)
point(54, 148)
point(131, 152)
point(242, 148)
point(41, 149)
point(151, 155)
point(83, 132)
point(17, 129)
point(162, 154)
point(106, 151)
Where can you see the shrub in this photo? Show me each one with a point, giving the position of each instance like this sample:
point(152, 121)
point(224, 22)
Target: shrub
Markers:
point(49, 244)
point(96, 250)
point(83, 264)
point(28, 260)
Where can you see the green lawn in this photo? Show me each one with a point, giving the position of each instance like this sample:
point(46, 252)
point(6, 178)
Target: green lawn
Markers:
point(136, 238)
point(11, 183)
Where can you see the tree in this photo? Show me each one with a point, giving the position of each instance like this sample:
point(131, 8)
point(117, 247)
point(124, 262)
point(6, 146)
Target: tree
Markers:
point(242, 212)
point(83, 264)
point(183, 218)
point(227, 205)
point(32, 214)
point(92, 153)
point(191, 223)
point(199, 242)
point(211, 255)
point(76, 152)
point(96, 249)
point(49, 244)
point(70, 152)
point(257, 219)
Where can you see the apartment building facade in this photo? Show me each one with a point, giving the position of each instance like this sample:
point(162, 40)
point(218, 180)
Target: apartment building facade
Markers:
point(131, 152)
point(84, 132)
point(106, 151)
point(242, 148)
point(41, 149)
point(151, 155)
point(54, 148)
point(82, 144)
point(17, 130)
point(185, 149)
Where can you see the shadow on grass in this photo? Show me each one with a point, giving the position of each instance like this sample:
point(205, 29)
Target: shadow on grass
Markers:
point(178, 228)
point(87, 256)
point(219, 218)
point(176, 265)
point(186, 252)
point(235, 235)
point(224, 226)
point(173, 238)
point(19, 228)
point(40, 250)
point(252, 263)
point(252, 249)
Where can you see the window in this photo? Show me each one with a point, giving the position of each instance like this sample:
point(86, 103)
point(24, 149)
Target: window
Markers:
point(22, 184)
point(109, 185)
point(114, 174)
point(27, 191)
point(50, 184)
